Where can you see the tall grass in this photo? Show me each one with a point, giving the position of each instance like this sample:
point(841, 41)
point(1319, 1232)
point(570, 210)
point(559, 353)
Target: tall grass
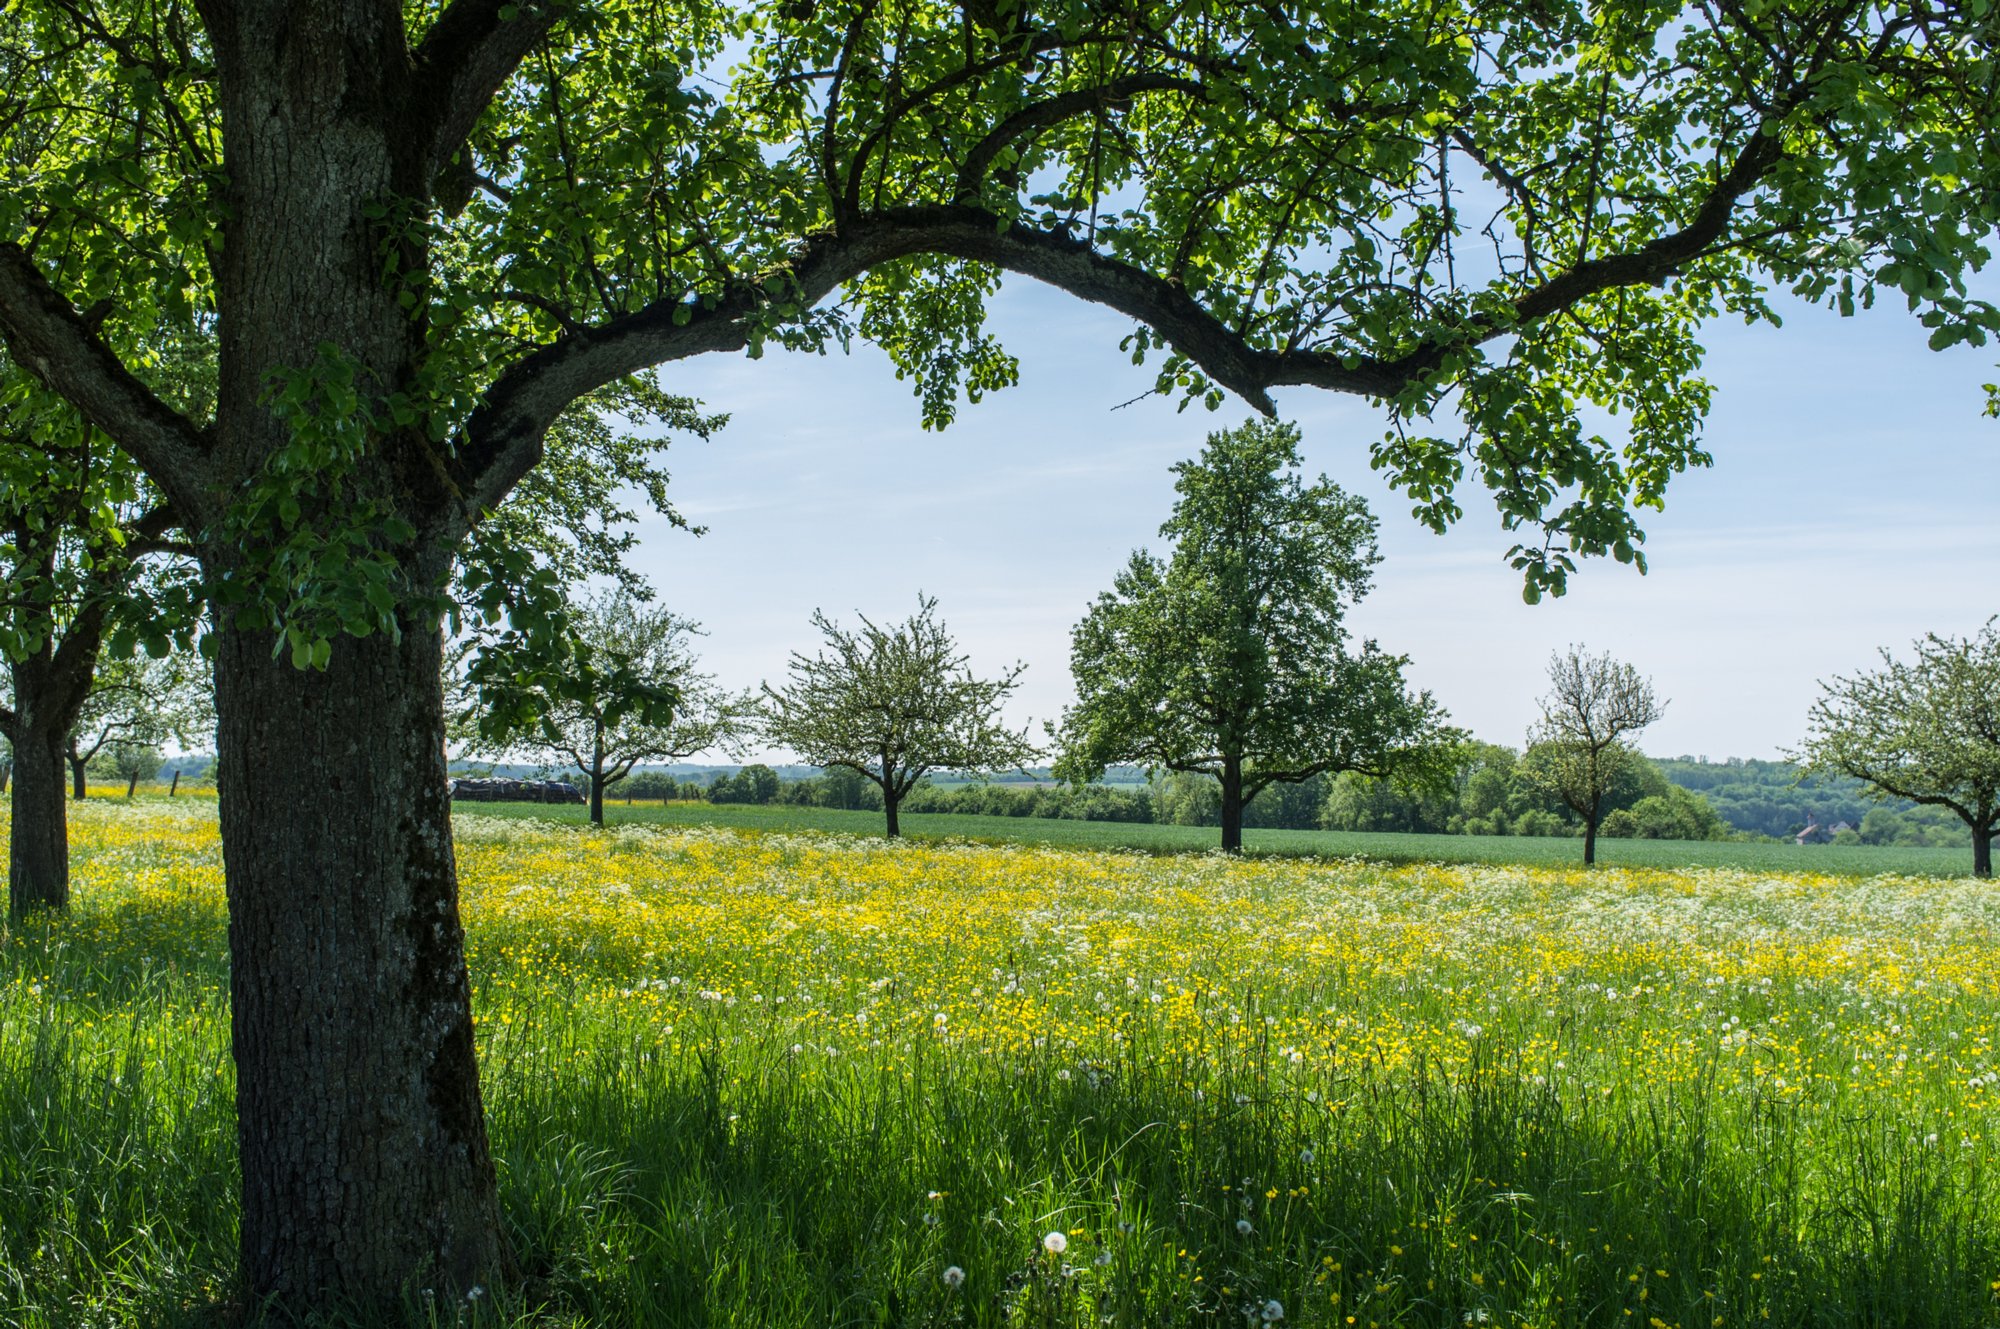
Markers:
point(793, 1081)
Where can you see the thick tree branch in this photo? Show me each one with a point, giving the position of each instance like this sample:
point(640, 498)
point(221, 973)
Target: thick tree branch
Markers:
point(45, 334)
point(465, 58)
point(503, 438)
point(1053, 111)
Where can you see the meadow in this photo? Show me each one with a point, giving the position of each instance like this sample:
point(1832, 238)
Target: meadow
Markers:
point(803, 1079)
point(1385, 847)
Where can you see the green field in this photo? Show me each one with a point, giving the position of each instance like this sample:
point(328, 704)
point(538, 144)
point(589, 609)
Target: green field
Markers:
point(813, 1081)
point(1844, 860)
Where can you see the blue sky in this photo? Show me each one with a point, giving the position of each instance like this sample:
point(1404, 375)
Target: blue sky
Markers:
point(1851, 506)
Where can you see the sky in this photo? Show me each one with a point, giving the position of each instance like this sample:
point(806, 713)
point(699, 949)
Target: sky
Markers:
point(1851, 507)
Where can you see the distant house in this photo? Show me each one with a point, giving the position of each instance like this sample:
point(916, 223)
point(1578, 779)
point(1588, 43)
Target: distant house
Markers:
point(1814, 833)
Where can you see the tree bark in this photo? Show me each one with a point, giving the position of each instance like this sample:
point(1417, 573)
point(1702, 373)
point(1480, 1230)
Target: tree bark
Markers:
point(50, 688)
point(366, 1172)
point(132, 786)
point(1232, 805)
point(1590, 820)
point(597, 777)
point(1982, 851)
point(79, 788)
point(890, 802)
point(367, 1175)
point(38, 846)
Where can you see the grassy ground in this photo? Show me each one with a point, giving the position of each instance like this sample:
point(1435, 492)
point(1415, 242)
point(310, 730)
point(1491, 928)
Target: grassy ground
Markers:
point(1855, 860)
point(806, 1080)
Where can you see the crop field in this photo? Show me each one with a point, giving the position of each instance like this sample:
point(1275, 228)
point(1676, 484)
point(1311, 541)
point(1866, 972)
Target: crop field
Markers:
point(800, 1079)
point(1554, 851)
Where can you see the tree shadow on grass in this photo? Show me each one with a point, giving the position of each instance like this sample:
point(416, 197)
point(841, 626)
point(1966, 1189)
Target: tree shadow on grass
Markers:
point(642, 1195)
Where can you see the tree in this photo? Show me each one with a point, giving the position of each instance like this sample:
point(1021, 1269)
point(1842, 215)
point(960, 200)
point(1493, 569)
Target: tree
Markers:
point(1229, 658)
point(1926, 730)
point(133, 762)
point(1578, 750)
point(139, 703)
point(893, 704)
point(627, 693)
point(419, 232)
point(755, 784)
point(88, 559)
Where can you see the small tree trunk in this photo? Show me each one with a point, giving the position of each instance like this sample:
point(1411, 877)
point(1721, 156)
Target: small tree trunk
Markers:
point(175, 788)
point(1982, 851)
point(38, 848)
point(78, 789)
point(132, 786)
point(1590, 819)
point(890, 802)
point(1232, 806)
point(597, 777)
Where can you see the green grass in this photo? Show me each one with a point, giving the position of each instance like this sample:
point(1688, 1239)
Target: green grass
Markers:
point(1842, 860)
point(1552, 1099)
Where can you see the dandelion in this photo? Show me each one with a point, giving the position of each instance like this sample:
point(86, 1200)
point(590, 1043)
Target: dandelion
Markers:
point(1307, 1156)
point(1055, 1243)
point(953, 1276)
point(1101, 1259)
point(1243, 1228)
point(1273, 1311)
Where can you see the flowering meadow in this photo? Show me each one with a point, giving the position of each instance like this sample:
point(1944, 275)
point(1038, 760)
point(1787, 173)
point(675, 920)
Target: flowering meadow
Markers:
point(823, 1080)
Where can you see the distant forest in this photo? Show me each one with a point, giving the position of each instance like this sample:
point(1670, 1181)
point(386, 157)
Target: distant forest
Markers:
point(1768, 798)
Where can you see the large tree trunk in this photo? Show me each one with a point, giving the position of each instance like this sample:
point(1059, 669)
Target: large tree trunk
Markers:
point(1982, 851)
point(38, 847)
point(891, 800)
point(366, 1170)
point(1232, 806)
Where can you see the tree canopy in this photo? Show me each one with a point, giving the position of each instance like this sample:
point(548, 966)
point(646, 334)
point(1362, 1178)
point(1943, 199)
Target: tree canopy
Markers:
point(1580, 749)
point(894, 704)
point(627, 691)
point(1926, 729)
point(1229, 657)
